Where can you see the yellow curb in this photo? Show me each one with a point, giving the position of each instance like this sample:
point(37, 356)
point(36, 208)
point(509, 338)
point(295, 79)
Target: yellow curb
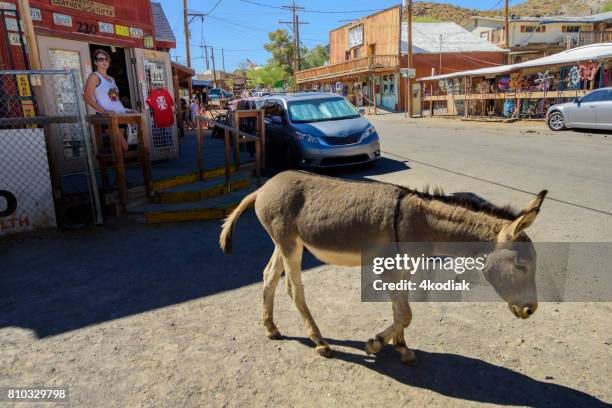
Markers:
point(189, 178)
point(185, 196)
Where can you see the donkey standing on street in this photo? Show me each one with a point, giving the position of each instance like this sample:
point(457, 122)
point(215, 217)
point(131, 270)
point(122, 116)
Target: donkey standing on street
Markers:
point(334, 219)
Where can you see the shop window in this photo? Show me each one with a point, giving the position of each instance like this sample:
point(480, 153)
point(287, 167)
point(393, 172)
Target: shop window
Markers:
point(391, 84)
point(570, 29)
point(357, 52)
point(533, 29)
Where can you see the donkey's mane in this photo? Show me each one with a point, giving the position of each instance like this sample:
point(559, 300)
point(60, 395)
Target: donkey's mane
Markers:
point(468, 201)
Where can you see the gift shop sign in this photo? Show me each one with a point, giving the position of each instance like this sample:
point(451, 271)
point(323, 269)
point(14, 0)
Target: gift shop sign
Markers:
point(87, 6)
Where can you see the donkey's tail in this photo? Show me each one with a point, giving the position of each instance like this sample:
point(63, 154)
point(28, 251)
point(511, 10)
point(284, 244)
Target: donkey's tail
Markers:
point(225, 239)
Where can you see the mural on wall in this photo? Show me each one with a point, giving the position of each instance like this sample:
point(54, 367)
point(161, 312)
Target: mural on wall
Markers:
point(588, 71)
point(543, 81)
point(509, 107)
point(503, 83)
point(573, 79)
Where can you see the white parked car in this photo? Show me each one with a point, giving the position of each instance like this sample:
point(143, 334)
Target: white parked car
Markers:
point(592, 111)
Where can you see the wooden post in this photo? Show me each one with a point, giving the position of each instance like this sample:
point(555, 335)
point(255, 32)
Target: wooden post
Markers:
point(145, 161)
point(258, 163)
point(261, 125)
point(237, 140)
point(120, 180)
point(200, 163)
point(466, 101)
point(26, 17)
point(226, 136)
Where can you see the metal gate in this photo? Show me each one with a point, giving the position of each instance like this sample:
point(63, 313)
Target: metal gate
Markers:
point(153, 70)
point(44, 110)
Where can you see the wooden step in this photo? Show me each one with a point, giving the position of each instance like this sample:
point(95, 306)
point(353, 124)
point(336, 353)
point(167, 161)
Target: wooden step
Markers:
point(200, 190)
point(188, 178)
point(211, 208)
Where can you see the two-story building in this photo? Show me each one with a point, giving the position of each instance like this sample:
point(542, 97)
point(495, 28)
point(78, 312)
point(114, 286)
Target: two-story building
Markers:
point(366, 57)
point(534, 37)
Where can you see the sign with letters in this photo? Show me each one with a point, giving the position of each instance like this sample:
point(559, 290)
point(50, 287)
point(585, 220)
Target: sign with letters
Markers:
point(35, 14)
point(62, 19)
point(122, 30)
point(106, 27)
point(87, 6)
point(136, 32)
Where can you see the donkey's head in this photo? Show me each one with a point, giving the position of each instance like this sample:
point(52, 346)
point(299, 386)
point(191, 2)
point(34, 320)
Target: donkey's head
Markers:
point(511, 267)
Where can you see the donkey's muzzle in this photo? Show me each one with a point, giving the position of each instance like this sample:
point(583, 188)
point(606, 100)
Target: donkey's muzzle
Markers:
point(524, 311)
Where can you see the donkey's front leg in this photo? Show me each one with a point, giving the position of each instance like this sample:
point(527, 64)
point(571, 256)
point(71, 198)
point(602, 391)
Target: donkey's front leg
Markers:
point(292, 259)
point(402, 316)
point(271, 277)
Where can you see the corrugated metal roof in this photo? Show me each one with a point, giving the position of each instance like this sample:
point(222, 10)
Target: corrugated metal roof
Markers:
point(161, 27)
point(592, 52)
point(594, 18)
point(426, 39)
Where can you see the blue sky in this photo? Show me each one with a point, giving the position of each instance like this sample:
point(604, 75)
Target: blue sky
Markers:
point(241, 27)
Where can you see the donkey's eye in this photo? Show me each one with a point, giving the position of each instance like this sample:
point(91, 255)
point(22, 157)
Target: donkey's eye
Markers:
point(522, 268)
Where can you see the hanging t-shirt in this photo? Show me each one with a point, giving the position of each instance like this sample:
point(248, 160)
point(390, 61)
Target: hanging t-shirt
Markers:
point(160, 101)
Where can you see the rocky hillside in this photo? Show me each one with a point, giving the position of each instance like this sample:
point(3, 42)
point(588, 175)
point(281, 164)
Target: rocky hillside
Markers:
point(428, 11)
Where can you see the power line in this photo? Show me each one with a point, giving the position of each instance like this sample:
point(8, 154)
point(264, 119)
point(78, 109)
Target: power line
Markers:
point(314, 11)
point(214, 7)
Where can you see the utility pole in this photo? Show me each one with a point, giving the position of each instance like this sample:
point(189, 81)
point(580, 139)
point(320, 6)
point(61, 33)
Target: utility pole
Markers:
point(223, 60)
point(212, 51)
point(296, 38)
point(410, 61)
point(186, 23)
point(506, 24)
point(206, 53)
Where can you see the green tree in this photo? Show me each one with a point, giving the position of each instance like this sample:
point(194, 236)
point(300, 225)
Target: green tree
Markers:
point(316, 57)
point(270, 75)
point(607, 7)
point(281, 47)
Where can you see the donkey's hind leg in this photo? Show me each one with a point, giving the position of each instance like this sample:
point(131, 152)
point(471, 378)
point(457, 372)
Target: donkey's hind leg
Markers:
point(272, 274)
point(292, 259)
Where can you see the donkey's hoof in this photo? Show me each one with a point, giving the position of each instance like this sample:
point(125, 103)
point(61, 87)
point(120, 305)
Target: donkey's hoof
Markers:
point(324, 350)
point(274, 335)
point(407, 355)
point(373, 346)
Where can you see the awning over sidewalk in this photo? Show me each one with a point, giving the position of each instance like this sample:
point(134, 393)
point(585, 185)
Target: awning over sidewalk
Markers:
point(592, 52)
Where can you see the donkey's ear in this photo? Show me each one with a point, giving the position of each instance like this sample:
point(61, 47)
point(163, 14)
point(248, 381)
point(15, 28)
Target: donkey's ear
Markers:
point(526, 217)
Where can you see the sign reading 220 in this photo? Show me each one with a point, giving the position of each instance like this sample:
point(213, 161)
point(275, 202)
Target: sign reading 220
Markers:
point(87, 28)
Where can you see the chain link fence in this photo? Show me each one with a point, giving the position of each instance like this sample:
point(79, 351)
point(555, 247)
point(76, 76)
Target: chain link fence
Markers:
point(46, 164)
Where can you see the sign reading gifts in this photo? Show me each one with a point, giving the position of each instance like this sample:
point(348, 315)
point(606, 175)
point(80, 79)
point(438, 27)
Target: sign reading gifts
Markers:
point(87, 6)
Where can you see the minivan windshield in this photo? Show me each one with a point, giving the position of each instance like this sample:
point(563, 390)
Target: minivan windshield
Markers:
point(318, 110)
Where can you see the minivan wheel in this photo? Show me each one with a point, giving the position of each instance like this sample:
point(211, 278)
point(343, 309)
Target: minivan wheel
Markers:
point(556, 121)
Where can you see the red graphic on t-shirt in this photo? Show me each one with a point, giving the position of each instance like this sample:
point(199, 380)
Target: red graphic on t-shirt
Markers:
point(160, 101)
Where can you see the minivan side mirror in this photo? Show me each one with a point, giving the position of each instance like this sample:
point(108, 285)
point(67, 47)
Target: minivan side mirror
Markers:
point(277, 120)
point(577, 100)
point(361, 111)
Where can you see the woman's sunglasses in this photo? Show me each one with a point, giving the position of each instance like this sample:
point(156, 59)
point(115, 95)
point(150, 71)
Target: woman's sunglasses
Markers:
point(100, 59)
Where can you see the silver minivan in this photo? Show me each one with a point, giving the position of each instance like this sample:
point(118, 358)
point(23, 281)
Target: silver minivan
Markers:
point(592, 111)
point(318, 130)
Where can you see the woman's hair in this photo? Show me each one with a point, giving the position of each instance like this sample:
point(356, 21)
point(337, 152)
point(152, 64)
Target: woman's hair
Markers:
point(101, 51)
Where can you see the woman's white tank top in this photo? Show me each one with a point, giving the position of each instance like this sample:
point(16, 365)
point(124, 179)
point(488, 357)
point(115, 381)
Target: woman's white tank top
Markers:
point(107, 95)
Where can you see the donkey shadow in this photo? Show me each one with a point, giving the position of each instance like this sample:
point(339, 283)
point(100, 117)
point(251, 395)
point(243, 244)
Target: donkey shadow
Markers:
point(462, 377)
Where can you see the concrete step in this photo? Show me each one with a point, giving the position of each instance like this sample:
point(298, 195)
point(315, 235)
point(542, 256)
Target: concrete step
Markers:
point(211, 208)
point(200, 190)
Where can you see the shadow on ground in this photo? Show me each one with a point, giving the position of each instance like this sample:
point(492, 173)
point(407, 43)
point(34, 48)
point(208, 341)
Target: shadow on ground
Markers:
point(463, 377)
point(55, 282)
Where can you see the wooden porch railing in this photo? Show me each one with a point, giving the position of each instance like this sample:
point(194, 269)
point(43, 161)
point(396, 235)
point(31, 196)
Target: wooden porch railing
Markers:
point(364, 64)
point(594, 37)
point(233, 135)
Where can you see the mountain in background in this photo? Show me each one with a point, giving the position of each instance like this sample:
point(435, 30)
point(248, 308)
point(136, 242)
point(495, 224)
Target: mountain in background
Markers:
point(430, 12)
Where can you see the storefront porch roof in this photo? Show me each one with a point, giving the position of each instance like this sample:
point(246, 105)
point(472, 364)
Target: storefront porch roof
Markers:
point(592, 52)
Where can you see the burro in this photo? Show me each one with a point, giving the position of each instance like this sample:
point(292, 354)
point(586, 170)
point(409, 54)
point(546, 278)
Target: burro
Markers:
point(335, 218)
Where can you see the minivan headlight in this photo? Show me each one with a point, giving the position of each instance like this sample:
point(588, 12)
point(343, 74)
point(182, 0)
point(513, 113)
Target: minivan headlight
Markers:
point(306, 137)
point(368, 132)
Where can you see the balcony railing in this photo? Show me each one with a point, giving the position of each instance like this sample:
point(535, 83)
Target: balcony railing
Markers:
point(593, 37)
point(365, 64)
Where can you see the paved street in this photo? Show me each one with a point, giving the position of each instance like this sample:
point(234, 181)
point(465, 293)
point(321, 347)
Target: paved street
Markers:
point(156, 315)
point(506, 164)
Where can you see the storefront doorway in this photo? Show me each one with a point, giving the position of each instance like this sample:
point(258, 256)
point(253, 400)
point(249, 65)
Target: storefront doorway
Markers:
point(119, 71)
